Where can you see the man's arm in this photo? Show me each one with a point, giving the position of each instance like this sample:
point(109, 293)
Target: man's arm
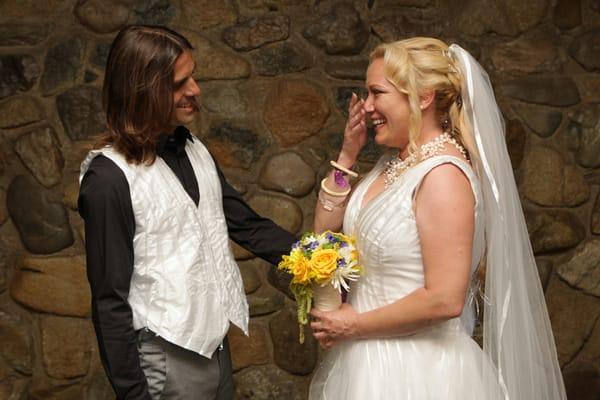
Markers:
point(256, 234)
point(105, 205)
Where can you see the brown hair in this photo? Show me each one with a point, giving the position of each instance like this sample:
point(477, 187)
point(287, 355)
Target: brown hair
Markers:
point(137, 95)
point(418, 65)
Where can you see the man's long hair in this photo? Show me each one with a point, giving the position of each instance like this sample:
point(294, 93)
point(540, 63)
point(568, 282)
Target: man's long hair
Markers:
point(137, 96)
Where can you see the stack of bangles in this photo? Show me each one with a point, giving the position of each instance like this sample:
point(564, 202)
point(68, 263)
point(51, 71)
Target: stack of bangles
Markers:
point(331, 199)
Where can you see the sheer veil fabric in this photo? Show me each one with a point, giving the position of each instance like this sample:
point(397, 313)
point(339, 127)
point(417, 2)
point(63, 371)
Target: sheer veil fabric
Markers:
point(517, 335)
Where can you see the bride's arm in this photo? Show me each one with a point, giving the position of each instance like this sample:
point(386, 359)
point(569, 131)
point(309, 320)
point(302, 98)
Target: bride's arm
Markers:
point(444, 210)
point(329, 210)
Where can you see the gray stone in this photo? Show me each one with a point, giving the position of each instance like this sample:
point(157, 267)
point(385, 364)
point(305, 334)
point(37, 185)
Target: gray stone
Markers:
point(3, 209)
point(42, 224)
point(567, 14)
point(399, 26)
point(570, 333)
point(282, 210)
point(154, 12)
point(553, 230)
point(100, 54)
point(589, 86)
point(208, 13)
point(61, 65)
point(101, 16)
point(588, 129)
point(66, 346)
point(295, 110)
point(288, 173)
point(278, 59)
point(585, 49)
point(99, 387)
point(268, 382)
point(89, 76)
point(257, 31)
point(582, 380)
point(223, 99)
point(534, 53)
point(595, 225)
point(239, 252)
point(544, 267)
point(235, 147)
point(40, 152)
point(17, 74)
point(349, 68)
point(341, 31)
point(19, 111)
point(80, 110)
point(506, 17)
point(549, 181)
point(540, 120)
point(3, 268)
point(56, 285)
point(559, 91)
point(221, 64)
point(46, 389)
point(515, 141)
point(288, 353)
point(17, 346)
point(583, 269)
point(12, 388)
point(250, 275)
point(71, 194)
point(22, 33)
point(265, 302)
point(248, 350)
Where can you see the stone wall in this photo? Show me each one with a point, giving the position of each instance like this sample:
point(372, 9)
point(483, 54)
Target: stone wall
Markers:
point(276, 77)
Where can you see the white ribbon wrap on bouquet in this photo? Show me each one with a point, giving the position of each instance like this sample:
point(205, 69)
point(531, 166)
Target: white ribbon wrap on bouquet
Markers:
point(326, 298)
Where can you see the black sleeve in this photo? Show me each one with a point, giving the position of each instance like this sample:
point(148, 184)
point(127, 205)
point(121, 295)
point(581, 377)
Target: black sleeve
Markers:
point(105, 205)
point(256, 234)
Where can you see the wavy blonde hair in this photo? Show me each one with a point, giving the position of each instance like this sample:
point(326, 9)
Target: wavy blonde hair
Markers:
point(417, 66)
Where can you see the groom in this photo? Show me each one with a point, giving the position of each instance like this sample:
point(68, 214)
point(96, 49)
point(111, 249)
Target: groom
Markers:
point(158, 213)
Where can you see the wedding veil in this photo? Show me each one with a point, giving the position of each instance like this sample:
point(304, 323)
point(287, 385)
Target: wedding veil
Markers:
point(517, 336)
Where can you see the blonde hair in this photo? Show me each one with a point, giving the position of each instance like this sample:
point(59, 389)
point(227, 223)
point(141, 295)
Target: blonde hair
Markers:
point(419, 65)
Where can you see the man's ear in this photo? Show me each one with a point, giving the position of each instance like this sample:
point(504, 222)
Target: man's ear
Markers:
point(427, 99)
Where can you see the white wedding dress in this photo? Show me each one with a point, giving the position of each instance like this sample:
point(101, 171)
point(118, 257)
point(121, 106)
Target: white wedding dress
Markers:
point(440, 363)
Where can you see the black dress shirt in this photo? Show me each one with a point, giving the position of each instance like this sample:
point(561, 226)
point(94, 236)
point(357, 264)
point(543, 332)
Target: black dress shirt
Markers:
point(105, 205)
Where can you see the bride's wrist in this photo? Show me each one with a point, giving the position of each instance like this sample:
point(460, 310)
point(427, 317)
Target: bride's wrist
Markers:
point(346, 160)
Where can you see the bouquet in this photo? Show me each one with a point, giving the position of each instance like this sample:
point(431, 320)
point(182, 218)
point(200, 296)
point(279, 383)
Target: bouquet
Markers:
point(320, 265)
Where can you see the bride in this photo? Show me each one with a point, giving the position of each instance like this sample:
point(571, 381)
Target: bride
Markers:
point(439, 205)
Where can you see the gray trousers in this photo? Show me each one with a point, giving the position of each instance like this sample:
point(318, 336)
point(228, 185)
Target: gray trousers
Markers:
point(174, 373)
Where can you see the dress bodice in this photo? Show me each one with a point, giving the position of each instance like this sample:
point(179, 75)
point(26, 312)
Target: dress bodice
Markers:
point(387, 238)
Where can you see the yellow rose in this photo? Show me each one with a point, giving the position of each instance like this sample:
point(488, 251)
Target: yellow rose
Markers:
point(323, 263)
point(300, 269)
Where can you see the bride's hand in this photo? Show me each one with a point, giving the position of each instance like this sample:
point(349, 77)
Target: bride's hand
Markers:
point(330, 328)
point(355, 133)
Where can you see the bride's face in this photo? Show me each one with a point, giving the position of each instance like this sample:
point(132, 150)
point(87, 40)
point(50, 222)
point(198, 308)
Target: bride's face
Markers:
point(387, 108)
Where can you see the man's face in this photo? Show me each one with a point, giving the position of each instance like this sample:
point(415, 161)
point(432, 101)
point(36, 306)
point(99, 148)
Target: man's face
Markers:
point(186, 91)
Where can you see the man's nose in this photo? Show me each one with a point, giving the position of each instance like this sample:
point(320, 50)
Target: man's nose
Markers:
point(192, 88)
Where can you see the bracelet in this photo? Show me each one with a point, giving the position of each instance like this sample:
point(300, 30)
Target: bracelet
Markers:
point(343, 169)
point(339, 179)
point(329, 204)
point(334, 193)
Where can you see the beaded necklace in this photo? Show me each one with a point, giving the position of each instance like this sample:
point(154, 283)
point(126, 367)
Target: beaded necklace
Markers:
point(396, 166)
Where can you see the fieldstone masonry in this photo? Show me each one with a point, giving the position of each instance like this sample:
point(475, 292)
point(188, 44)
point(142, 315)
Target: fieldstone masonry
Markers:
point(276, 76)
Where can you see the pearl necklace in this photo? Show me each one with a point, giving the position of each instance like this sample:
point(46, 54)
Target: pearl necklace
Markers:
point(396, 166)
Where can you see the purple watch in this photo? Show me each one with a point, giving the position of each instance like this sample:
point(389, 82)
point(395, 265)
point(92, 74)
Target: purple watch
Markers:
point(338, 178)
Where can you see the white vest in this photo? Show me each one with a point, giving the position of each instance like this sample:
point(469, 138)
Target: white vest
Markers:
point(185, 286)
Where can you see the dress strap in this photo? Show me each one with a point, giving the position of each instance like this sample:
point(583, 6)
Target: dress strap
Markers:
point(421, 170)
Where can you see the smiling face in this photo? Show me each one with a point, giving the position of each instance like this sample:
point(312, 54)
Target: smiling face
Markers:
point(186, 91)
point(387, 108)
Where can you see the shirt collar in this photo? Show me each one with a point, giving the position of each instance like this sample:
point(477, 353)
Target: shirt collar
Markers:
point(174, 142)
